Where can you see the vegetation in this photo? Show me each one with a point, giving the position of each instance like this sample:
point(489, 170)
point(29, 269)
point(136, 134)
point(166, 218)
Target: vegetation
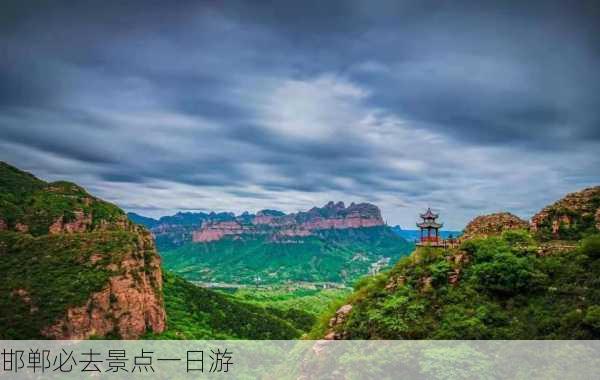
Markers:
point(339, 256)
point(198, 313)
point(504, 291)
point(311, 301)
point(36, 204)
point(580, 225)
point(43, 276)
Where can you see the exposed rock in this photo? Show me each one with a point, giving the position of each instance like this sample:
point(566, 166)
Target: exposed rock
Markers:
point(492, 224)
point(340, 317)
point(130, 304)
point(578, 211)
point(81, 223)
point(395, 282)
point(280, 225)
point(454, 276)
point(217, 230)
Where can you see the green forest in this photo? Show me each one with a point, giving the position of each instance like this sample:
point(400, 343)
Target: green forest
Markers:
point(505, 290)
point(336, 256)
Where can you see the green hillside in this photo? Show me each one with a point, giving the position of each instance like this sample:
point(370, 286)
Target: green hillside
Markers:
point(339, 256)
point(43, 276)
point(28, 201)
point(198, 313)
point(504, 289)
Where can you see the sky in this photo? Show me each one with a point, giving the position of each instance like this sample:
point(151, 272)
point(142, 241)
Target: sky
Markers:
point(468, 107)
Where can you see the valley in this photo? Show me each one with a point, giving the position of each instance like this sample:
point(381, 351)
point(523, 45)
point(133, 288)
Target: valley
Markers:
point(77, 267)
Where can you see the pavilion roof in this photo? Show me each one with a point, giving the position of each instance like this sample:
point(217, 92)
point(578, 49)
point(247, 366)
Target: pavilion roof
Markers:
point(429, 214)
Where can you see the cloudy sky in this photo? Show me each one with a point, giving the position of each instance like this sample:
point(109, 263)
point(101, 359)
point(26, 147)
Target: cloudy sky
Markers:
point(467, 107)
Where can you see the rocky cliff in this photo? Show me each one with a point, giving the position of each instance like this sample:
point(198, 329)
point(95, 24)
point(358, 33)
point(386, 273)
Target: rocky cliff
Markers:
point(277, 224)
point(569, 217)
point(73, 266)
point(174, 231)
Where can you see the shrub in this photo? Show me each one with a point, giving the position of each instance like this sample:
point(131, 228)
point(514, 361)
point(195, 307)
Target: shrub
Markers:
point(590, 246)
point(592, 317)
point(507, 274)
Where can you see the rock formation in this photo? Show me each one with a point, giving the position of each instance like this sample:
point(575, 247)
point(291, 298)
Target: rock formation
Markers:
point(492, 224)
point(574, 213)
point(217, 230)
point(128, 306)
point(340, 317)
point(277, 224)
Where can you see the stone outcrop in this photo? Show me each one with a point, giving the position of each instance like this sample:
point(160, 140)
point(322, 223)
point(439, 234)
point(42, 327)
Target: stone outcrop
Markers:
point(217, 230)
point(340, 317)
point(301, 224)
point(579, 211)
point(130, 304)
point(81, 223)
point(492, 224)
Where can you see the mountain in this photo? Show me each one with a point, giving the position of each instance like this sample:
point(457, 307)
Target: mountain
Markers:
point(72, 265)
point(279, 226)
point(415, 235)
point(145, 221)
point(175, 230)
point(333, 243)
point(507, 280)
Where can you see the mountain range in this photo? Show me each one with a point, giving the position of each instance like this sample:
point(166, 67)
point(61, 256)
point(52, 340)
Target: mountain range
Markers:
point(333, 244)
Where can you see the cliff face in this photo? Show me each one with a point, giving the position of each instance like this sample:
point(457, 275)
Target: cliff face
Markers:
point(570, 216)
point(128, 306)
point(173, 231)
point(276, 224)
point(73, 266)
point(217, 230)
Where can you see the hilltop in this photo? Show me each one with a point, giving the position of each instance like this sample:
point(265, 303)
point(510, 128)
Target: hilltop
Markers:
point(507, 280)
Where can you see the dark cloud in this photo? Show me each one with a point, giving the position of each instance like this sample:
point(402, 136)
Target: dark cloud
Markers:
point(241, 104)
